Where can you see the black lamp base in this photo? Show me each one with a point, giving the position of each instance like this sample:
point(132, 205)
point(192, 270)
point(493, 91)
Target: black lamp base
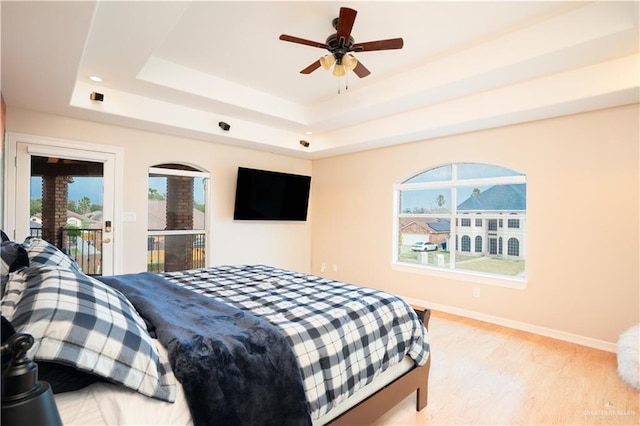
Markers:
point(25, 400)
point(38, 408)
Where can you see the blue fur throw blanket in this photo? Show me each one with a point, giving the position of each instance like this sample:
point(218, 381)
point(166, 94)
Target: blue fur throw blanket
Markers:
point(235, 368)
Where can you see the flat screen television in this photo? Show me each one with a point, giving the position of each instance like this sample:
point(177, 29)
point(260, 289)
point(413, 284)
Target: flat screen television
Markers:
point(268, 195)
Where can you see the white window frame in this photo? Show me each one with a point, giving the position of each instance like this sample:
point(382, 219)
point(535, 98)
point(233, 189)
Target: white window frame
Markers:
point(450, 272)
point(207, 199)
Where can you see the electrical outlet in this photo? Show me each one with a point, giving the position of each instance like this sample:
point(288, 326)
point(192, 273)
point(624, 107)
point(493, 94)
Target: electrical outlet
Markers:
point(335, 267)
point(323, 267)
point(476, 292)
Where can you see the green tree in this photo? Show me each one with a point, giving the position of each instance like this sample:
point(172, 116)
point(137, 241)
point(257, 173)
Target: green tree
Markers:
point(84, 205)
point(71, 205)
point(154, 194)
point(35, 206)
point(73, 230)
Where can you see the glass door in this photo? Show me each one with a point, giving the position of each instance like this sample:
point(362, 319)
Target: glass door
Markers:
point(66, 197)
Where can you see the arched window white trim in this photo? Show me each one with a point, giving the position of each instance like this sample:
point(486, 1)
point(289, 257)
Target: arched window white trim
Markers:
point(178, 200)
point(472, 200)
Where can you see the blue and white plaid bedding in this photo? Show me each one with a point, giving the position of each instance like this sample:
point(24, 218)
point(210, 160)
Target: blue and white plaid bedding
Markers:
point(82, 323)
point(343, 335)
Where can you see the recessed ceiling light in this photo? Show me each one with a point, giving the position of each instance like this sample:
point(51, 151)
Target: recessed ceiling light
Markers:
point(95, 78)
point(308, 132)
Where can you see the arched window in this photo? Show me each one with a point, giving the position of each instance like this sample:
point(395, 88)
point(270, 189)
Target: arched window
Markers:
point(478, 248)
point(177, 223)
point(437, 204)
point(513, 247)
point(466, 243)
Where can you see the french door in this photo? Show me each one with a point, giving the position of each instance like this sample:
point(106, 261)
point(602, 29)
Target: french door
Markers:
point(30, 153)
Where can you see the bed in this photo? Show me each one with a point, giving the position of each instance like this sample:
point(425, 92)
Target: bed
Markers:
point(236, 344)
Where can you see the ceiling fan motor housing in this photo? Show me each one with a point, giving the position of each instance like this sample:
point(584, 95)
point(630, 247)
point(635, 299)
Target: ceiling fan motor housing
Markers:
point(339, 49)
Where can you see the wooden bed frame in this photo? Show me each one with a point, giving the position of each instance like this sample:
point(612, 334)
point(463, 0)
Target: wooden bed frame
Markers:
point(416, 379)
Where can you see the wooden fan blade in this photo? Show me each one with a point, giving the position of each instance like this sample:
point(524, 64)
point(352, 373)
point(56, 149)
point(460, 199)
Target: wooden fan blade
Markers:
point(361, 71)
point(311, 68)
point(345, 23)
point(299, 40)
point(392, 43)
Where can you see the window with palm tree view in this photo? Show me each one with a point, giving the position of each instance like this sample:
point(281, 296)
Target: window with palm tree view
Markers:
point(464, 217)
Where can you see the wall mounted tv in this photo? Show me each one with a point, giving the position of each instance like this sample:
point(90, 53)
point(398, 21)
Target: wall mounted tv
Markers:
point(267, 195)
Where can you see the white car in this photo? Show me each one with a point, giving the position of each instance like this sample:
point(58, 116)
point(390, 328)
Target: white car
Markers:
point(424, 246)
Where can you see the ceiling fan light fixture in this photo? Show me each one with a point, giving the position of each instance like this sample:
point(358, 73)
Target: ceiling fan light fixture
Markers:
point(327, 61)
point(349, 62)
point(339, 70)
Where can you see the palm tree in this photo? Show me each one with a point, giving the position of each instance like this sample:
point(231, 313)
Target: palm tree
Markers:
point(155, 195)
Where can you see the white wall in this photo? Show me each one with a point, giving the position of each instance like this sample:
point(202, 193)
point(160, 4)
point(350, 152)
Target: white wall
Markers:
point(282, 244)
point(583, 216)
point(582, 221)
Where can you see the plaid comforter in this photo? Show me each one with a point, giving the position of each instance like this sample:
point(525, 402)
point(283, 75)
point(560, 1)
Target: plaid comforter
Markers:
point(343, 335)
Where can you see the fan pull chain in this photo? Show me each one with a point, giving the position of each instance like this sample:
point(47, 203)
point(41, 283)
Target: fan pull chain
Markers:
point(346, 83)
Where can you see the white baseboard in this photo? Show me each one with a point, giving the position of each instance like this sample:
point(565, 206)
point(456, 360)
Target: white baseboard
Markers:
point(530, 328)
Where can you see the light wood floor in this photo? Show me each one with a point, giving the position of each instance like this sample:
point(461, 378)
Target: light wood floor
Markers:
point(491, 375)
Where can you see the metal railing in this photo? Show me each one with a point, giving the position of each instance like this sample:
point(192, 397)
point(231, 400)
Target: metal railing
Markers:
point(82, 245)
point(167, 252)
point(85, 247)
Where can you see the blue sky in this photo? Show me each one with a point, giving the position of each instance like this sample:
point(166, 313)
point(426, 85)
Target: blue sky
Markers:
point(81, 186)
point(92, 188)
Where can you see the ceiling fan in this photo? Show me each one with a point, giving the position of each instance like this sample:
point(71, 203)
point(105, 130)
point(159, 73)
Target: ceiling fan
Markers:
point(340, 46)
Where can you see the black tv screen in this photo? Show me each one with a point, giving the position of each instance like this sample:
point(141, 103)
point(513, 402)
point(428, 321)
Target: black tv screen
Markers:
point(267, 195)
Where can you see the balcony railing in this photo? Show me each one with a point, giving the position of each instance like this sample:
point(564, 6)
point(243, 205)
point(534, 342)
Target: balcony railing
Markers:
point(168, 251)
point(84, 246)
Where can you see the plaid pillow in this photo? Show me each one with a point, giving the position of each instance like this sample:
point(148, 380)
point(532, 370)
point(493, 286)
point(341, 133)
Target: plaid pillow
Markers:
point(80, 322)
point(41, 252)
